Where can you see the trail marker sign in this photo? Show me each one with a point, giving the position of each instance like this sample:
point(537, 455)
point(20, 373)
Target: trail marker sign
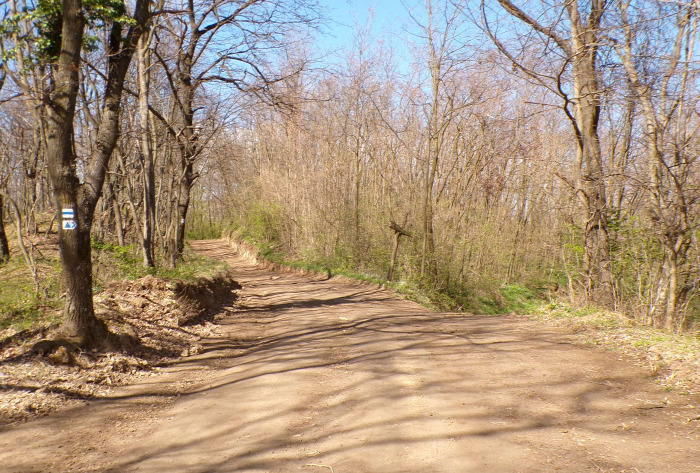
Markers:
point(69, 225)
point(67, 214)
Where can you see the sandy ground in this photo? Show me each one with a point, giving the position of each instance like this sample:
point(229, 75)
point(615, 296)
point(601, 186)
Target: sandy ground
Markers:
point(321, 376)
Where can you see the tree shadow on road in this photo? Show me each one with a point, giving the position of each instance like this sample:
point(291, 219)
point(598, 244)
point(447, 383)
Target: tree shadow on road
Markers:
point(485, 379)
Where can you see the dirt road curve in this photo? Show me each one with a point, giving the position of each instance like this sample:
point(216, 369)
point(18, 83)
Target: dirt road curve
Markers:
point(325, 376)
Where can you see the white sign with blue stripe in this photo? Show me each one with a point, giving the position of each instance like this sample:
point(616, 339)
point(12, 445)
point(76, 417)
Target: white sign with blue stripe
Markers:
point(67, 214)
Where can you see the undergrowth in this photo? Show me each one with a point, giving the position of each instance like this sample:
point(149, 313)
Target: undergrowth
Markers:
point(26, 303)
point(114, 262)
point(493, 299)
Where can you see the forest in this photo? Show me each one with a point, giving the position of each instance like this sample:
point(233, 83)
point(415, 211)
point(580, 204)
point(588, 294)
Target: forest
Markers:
point(542, 147)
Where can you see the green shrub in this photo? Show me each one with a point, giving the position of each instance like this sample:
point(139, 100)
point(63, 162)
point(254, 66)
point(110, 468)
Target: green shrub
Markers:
point(203, 230)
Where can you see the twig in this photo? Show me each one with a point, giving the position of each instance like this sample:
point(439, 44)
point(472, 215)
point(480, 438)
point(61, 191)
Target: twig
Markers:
point(321, 466)
point(20, 240)
point(596, 465)
point(662, 405)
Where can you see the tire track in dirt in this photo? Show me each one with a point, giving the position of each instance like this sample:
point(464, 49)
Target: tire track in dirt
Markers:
point(323, 375)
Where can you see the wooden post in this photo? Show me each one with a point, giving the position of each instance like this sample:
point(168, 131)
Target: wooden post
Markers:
point(398, 233)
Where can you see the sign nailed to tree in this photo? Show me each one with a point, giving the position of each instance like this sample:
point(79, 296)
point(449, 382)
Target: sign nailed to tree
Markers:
point(67, 215)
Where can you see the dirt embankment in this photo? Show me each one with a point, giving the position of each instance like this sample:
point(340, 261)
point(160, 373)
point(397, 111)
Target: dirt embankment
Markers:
point(156, 321)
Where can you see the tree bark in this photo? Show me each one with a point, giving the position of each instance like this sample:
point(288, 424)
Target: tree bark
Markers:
point(4, 247)
point(188, 146)
point(149, 196)
point(183, 205)
point(428, 249)
point(79, 321)
point(118, 220)
point(597, 267)
point(436, 60)
point(581, 51)
point(398, 233)
point(358, 187)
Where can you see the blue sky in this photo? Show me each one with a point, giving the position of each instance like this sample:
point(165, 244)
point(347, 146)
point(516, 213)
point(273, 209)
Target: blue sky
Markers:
point(388, 19)
point(387, 13)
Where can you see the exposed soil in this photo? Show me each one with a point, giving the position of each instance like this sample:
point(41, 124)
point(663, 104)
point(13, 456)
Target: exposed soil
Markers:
point(156, 322)
point(308, 374)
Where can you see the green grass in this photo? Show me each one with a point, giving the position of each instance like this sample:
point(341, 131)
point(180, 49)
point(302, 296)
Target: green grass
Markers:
point(114, 262)
point(192, 267)
point(678, 353)
point(490, 300)
point(203, 231)
point(21, 305)
point(509, 298)
point(29, 315)
point(24, 303)
point(412, 292)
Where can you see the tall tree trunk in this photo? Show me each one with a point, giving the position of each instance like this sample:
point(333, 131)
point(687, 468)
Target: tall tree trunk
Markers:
point(79, 320)
point(358, 188)
point(597, 267)
point(183, 205)
point(669, 189)
point(670, 316)
point(428, 250)
point(149, 196)
point(4, 247)
point(116, 208)
point(188, 146)
point(581, 51)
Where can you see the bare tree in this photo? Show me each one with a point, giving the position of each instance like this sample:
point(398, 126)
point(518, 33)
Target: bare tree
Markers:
point(79, 199)
point(4, 247)
point(443, 34)
point(146, 145)
point(191, 57)
point(570, 34)
point(656, 45)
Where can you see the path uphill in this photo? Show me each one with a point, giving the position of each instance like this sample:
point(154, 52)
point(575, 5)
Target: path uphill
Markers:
point(321, 376)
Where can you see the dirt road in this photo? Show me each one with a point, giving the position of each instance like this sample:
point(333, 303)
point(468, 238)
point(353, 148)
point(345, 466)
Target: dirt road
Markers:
point(325, 376)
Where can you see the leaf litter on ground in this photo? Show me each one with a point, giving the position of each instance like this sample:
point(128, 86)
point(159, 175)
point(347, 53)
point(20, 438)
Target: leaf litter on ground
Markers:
point(167, 318)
